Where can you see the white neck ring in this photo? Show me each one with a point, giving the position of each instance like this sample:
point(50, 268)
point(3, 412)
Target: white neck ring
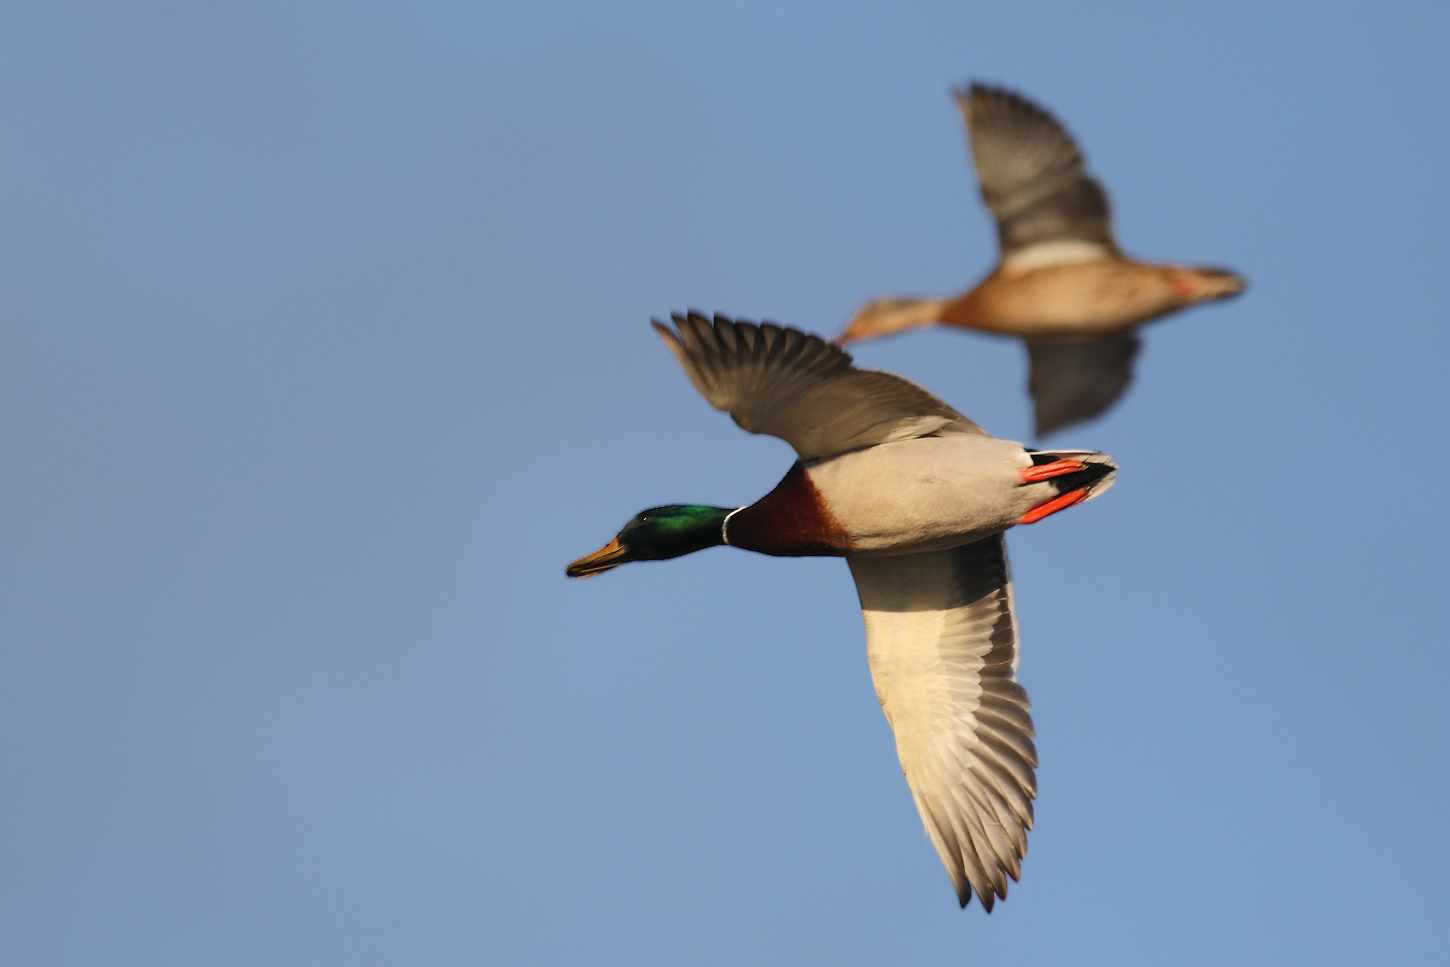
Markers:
point(725, 525)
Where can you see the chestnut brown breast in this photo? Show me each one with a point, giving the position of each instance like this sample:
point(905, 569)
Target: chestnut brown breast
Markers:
point(790, 521)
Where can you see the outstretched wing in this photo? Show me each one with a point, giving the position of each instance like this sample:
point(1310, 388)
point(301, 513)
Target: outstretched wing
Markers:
point(795, 386)
point(1034, 179)
point(942, 642)
point(1075, 381)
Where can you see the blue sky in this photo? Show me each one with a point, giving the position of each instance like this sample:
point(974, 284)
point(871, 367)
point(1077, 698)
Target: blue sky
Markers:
point(324, 347)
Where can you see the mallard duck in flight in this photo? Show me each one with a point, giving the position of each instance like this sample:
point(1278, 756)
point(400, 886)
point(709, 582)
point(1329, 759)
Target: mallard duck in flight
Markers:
point(1061, 284)
point(916, 498)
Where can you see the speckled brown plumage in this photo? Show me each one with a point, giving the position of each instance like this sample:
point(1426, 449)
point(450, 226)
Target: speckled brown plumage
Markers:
point(1061, 277)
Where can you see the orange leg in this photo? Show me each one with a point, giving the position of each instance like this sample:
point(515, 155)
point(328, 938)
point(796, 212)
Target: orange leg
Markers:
point(1054, 505)
point(1049, 470)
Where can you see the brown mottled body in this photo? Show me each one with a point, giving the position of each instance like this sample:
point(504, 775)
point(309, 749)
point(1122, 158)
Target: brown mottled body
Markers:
point(1075, 299)
point(1061, 284)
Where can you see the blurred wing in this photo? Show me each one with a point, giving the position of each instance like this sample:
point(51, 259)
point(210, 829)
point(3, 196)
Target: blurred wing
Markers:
point(796, 386)
point(1033, 178)
point(942, 642)
point(1075, 381)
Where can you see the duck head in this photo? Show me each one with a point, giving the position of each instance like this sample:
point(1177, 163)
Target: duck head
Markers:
point(883, 317)
point(657, 534)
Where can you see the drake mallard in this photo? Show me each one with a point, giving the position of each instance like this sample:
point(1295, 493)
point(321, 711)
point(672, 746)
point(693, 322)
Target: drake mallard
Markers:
point(916, 498)
point(1061, 283)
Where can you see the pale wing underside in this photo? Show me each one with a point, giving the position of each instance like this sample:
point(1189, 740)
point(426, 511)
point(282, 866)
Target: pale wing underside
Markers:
point(795, 386)
point(1032, 174)
point(1075, 381)
point(942, 643)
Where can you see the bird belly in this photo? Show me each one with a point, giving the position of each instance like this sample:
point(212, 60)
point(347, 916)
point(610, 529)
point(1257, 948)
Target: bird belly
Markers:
point(926, 494)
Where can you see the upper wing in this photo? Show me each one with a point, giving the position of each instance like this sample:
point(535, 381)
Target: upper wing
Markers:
point(796, 386)
point(1075, 381)
point(1032, 174)
point(942, 642)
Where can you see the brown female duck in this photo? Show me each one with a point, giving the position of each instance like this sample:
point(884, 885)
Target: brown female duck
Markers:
point(1062, 284)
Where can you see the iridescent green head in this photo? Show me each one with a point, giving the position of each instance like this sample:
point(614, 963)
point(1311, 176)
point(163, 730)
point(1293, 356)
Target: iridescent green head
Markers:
point(657, 534)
